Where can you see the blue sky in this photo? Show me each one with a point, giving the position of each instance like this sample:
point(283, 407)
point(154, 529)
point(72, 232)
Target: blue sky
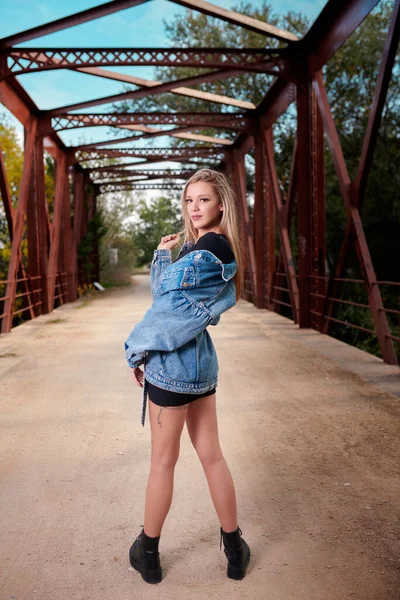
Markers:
point(141, 26)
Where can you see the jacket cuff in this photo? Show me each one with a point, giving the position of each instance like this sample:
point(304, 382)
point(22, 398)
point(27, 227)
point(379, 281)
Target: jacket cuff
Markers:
point(134, 363)
point(162, 253)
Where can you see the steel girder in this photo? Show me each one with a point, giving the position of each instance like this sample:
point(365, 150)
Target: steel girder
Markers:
point(235, 121)
point(17, 61)
point(312, 300)
point(123, 187)
point(155, 173)
point(156, 153)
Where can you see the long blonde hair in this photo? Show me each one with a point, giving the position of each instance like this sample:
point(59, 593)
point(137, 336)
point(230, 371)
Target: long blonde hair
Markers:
point(229, 223)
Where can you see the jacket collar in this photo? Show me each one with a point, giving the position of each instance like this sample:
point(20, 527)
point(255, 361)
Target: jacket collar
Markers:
point(207, 260)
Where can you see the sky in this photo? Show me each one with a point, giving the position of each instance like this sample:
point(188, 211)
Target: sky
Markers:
point(140, 26)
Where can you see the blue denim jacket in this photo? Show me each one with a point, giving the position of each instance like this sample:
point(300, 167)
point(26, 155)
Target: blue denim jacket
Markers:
point(172, 338)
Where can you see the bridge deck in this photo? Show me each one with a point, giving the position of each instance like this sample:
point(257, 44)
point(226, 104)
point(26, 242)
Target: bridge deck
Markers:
point(313, 449)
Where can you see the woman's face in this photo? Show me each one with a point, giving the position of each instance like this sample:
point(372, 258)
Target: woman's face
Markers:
point(203, 207)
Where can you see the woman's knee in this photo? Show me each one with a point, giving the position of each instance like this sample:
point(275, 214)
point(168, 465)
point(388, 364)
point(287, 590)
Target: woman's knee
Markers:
point(165, 458)
point(209, 455)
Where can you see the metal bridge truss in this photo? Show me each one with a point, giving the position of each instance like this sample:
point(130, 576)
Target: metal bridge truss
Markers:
point(52, 274)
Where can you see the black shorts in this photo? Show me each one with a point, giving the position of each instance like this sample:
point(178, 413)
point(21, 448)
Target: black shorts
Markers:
point(166, 398)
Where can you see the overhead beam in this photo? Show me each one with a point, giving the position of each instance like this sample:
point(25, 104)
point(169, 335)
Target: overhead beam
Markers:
point(17, 61)
point(146, 152)
point(180, 91)
point(218, 120)
point(164, 173)
point(121, 187)
point(238, 19)
point(153, 132)
point(178, 132)
point(144, 92)
point(76, 19)
point(332, 28)
point(378, 103)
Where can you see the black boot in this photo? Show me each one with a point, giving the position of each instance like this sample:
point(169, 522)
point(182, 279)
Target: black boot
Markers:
point(145, 558)
point(237, 552)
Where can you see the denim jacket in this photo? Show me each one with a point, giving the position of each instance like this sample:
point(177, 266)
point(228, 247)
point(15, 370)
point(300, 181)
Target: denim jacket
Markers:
point(172, 340)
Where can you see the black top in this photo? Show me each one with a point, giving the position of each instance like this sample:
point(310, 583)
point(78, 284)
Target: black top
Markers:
point(217, 243)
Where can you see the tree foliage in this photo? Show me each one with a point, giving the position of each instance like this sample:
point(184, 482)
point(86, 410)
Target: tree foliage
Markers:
point(158, 217)
point(117, 210)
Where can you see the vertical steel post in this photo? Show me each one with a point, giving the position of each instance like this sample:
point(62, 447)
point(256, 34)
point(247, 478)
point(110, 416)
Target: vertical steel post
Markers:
point(270, 231)
point(61, 173)
point(259, 220)
point(43, 224)
point(71, 291)
point(286, 250)
point(317, 284)
point(32, 221)
point(304, 196)
point(239, 173)
point(18, 227)
point(79, 190)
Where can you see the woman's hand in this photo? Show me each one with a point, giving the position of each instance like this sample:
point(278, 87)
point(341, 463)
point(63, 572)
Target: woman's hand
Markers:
point(137, 375)
point(168, 241)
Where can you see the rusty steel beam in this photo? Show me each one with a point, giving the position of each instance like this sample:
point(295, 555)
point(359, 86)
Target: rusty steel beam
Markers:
point(269, 233)
point(177, 132)
point(278, 98)
point(166, 153)
point(69, 249)
point(165, 173)
point(288, 209)
point(33, 234)
point(121, 187)
point(144, 92)
point(382, 86)
point(259, 218)
point(336, 22)
point(239, 178)
point(143, 178)
point(304, 199)
point(20, 212)
point(10, 212)
point(235, 18)
point(61, 182)
point(6, 196)
point(44, 225)
point(219, 120)
point(76, 19)
point(18, 61)
point(181, 91)
point(349, 197)
point(286, 250)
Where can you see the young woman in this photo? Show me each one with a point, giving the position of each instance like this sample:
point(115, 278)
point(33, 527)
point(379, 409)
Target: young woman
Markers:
point(181, 366)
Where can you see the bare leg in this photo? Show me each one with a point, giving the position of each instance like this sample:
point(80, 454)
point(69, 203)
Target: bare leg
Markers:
point(222, 492)
point(202, 426)
point(166, 427)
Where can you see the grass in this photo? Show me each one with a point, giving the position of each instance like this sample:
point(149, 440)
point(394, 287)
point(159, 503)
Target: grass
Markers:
point(58, 320)
point(84, 303)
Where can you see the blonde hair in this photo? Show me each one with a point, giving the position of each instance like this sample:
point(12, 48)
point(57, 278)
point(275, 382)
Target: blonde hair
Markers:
point(229, 223)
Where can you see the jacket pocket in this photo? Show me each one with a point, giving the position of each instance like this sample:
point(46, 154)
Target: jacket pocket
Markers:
point(183, 278)
point(188, 279)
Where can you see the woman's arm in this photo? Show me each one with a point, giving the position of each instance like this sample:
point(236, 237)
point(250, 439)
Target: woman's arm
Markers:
point(161, 260)
point(173, 320)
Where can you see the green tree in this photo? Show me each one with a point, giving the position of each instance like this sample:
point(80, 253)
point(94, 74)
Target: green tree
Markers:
point(158, 217)
point(117, 211)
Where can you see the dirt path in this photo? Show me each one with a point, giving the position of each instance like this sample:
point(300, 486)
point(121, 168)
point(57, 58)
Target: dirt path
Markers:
point(313, 450)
